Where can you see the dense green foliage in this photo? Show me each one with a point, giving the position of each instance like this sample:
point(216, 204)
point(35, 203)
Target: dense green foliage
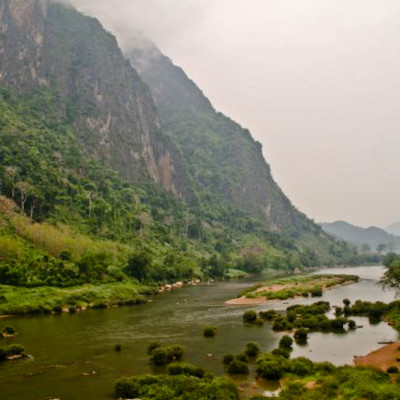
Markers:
point(163, 355)
point(180, 368)
point(252, 349)
point(179, 387)
point(20, 300)
point(100, 228)
point(308, 318)
point(345, 383)
point(237, 367)
point(374, 311)
point(330, 382)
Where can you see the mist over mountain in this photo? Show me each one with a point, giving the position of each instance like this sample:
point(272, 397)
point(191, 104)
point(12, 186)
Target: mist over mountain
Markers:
point(372, 236)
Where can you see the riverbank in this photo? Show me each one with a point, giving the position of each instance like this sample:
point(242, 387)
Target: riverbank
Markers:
point(19, 300)
point(292, 287)
point(383, 358)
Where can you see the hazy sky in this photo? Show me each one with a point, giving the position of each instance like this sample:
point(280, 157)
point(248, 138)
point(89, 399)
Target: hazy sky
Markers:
point(316, 81)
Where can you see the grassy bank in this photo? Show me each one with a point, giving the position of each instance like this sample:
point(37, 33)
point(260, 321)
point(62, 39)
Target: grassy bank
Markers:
point(18, 300)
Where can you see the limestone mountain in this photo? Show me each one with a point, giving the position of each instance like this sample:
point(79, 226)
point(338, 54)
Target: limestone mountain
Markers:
point(132, 150)
point(224, 161)
point(48, 46)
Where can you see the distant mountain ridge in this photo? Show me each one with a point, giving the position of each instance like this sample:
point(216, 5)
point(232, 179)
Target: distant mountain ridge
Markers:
point(393, 229)
point(372, 236)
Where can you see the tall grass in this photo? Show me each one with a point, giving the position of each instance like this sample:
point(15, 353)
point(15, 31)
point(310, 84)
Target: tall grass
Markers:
point(58, 239)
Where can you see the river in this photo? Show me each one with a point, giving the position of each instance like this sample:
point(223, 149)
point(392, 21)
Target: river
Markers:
point(73, 355)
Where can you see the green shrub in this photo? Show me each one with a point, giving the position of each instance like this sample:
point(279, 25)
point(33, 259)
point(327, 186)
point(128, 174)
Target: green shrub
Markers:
point(177, 387)
point(165, 355)
point(228, 358)
point(242, 357)
point(177, 352)
point(301, 335)
point(238, 367)
point(185, 369)
point(160, 356)
point(117, 347)
point(291, 316)
point(286, 342)
point(346, 302)
point(9, 330)
point(250, 316)
point(252, 349)
point(152, 346)
point(316, 292)
point(301, 366)
point(392, 370)
point(268, 315)
point(338, 311)
point(281, 351)
point(271, 369)
point(209, 331)
point(351, 324)
point(281, 324)
point(337, 324)
point(14, 349)
point(324, 367)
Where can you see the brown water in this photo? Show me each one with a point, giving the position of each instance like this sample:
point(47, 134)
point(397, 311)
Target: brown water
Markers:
point(73, 356)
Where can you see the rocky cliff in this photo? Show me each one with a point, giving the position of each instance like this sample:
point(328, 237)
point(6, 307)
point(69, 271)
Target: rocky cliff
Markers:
point(224, 160)
point(46, 46)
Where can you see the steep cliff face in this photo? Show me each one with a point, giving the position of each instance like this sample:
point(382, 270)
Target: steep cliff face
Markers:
point(45, 46)
point(86, 134)
point(223, 158)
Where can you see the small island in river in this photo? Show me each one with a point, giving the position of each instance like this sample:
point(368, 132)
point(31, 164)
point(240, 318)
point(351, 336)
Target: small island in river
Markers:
point(286, 288)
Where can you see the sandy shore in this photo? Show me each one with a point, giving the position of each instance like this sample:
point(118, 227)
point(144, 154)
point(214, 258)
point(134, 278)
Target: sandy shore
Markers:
point(244, 301)
point(382, 358)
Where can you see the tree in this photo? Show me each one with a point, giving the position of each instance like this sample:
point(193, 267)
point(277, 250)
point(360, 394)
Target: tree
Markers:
point(189, 221)
point(286, 342)
point(91, 196)
point(391, 278)
point(145, 220)
point(11, 175)
point(365, 248)
point(25, 189)
point(381, 248)
point(139, 266)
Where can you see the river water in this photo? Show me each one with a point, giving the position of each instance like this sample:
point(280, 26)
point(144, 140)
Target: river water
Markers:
point(73, 355)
